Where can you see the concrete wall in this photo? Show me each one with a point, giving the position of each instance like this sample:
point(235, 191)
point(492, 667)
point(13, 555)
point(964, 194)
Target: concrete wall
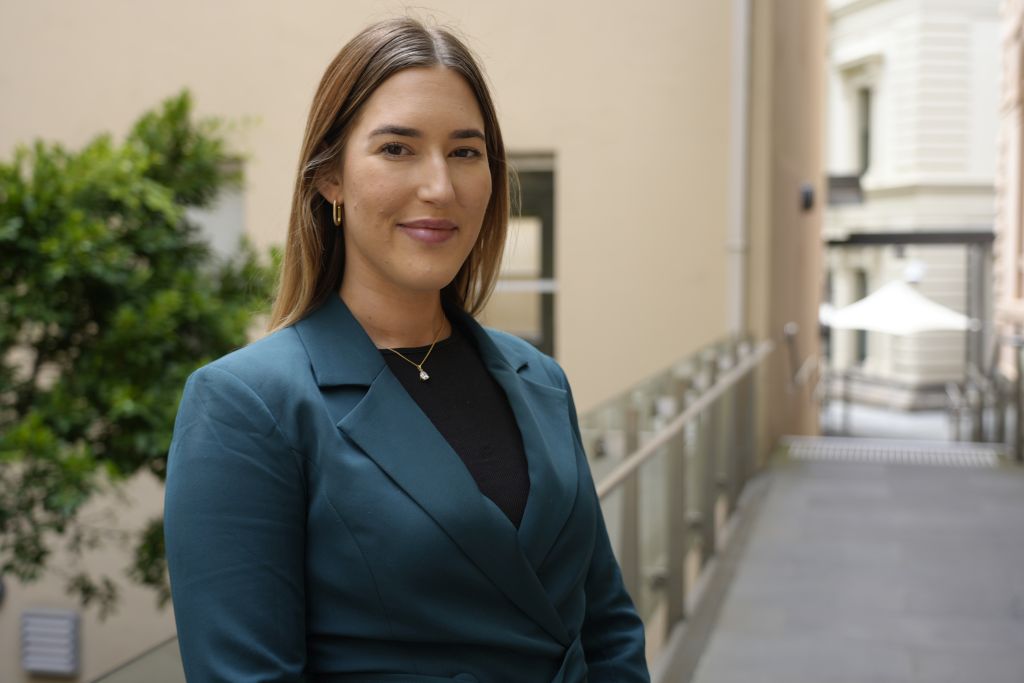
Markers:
point(137, 626)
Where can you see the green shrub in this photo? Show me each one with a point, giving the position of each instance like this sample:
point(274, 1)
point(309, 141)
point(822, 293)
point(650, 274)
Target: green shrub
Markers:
point(109, 298)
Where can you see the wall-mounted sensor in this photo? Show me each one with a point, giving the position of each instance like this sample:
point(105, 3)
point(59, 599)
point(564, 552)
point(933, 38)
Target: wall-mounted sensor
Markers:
point(806, 196)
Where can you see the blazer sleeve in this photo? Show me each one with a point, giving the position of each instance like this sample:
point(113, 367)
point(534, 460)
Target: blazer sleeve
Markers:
point(613, 634)
point(234, 526)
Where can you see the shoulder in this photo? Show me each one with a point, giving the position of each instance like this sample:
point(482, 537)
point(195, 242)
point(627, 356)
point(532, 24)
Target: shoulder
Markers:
point(519, 352)
point(253, 389)
point(270, 368)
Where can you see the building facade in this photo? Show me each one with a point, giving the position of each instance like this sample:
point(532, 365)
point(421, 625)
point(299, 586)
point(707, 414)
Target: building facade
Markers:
point(911, 108)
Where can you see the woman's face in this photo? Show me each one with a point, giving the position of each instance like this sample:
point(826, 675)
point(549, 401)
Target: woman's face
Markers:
point(414, 182)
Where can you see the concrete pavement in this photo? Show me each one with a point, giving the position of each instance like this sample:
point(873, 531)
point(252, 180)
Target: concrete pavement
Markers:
point(861, 572)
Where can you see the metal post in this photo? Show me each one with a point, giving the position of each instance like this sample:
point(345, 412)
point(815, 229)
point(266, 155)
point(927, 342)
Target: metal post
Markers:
point(753, 463)
point(999, 389)
point(976, 258)
point(955, 400)
point(847, 395)
point(1018, 437)
point(678, 536)
point(976, 404)
point(989, 400)
point(729, 426)
point(742, 426)
point(749, 388)
point(630, 560)
point(709, 435)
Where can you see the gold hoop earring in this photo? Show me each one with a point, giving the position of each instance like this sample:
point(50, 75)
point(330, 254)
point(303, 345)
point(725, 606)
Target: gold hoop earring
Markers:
point(336, 211)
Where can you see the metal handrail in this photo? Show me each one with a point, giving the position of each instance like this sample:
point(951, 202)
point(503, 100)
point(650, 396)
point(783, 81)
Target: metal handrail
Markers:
point(707, 460)
point(633, 460)
point(803, 374)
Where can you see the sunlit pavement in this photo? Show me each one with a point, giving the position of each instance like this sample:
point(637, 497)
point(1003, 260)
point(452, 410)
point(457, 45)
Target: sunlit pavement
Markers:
point(877, 572)
point(878, 422)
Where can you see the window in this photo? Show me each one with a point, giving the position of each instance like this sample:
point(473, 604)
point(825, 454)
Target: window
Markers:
point(523, 302)
point(863, 130)
point(222, 223)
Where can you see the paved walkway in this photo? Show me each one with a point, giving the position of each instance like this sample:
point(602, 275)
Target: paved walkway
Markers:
point(858, 572)
point(886, 423)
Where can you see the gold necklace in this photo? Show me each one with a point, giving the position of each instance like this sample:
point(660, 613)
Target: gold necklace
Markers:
point(419, 366)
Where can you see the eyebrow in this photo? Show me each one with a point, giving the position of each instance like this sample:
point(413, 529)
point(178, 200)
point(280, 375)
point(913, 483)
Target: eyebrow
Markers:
point(403, 131)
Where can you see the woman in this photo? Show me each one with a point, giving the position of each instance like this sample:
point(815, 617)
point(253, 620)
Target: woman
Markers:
point(381, 489)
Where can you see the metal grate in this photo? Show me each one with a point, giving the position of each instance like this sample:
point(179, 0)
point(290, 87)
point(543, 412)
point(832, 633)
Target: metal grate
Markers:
point(49, 642)
point(891, 452)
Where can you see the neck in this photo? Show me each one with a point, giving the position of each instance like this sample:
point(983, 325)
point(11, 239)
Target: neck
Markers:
point(397, 321)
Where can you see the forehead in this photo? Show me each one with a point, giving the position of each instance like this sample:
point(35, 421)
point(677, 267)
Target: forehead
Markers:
point(427, 95)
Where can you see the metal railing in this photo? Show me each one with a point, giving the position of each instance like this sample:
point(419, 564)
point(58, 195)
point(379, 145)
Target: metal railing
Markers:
point(671, 457)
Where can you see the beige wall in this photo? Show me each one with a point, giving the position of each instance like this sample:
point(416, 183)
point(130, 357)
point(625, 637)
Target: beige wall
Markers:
point(134, 628)
point(633, 101)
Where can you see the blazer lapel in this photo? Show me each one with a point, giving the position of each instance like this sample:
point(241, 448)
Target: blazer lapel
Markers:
point(542, 413)
point(553, 475)
point(389, 427)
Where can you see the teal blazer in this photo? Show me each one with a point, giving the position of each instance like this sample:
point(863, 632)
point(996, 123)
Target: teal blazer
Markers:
point(320, 529)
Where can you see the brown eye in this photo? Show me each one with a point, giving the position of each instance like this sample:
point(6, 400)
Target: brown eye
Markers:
point(393, 149)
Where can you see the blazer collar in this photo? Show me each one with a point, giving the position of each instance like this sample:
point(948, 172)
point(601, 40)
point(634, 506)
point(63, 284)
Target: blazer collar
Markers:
point(342, 353)
point(338, 347)
point(496, 356)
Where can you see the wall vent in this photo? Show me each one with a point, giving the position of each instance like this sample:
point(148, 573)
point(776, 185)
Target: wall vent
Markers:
point(49, 642)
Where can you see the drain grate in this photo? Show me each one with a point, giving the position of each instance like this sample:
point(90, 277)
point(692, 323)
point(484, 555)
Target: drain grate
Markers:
point(894, 452)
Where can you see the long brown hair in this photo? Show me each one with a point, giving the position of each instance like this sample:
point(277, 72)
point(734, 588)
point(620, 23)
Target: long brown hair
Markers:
point(314, 253)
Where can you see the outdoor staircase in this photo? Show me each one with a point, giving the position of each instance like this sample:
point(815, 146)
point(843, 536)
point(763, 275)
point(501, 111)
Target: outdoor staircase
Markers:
point(892, 451)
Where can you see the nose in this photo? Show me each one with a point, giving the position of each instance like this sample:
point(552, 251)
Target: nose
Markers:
point(436, 183)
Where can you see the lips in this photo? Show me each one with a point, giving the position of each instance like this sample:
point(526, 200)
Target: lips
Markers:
point(429, 230)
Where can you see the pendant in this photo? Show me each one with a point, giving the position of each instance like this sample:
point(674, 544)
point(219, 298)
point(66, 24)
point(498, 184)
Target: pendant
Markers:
point(423, 375)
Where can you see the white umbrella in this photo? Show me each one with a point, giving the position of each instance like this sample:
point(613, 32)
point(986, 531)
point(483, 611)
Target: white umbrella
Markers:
point(897, 308)
point(825, 311)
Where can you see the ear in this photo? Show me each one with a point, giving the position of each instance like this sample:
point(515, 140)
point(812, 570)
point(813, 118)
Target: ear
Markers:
point(330, 188)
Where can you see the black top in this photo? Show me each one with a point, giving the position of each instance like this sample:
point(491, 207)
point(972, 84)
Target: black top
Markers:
point(471, 411)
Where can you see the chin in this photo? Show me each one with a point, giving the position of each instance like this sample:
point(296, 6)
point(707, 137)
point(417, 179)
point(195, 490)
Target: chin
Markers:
point(429, 283)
